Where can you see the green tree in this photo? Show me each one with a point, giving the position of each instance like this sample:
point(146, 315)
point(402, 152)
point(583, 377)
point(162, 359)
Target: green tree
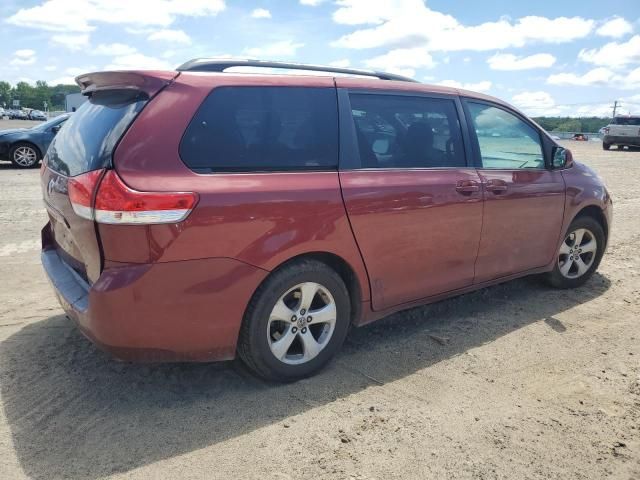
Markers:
point(5, 93)
point(35, 96)
point(569, 125)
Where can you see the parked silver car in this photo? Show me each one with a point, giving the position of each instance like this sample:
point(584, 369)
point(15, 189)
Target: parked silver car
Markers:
point(622, 131)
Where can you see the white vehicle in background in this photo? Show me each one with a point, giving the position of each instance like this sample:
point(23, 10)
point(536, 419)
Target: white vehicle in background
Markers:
point(622, 131)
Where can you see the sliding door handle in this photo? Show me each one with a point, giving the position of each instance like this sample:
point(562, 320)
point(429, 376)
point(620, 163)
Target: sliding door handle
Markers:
point(467, 187)
point(496, 186)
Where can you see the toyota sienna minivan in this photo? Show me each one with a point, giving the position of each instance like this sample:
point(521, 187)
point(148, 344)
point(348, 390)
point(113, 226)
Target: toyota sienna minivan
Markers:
point(199, 214)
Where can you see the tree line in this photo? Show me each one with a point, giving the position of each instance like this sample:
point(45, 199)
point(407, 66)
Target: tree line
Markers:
point(31, 96)
point(571, 124)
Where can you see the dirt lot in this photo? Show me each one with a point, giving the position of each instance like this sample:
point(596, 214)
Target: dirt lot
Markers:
point(532, 382)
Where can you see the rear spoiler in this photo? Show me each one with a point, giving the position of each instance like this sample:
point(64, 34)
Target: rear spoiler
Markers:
point(149, 82)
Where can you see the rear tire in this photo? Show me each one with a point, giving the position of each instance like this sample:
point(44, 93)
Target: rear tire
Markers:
point(296, 322)
point(24, 155)
point(606, 146)
point(579, 255)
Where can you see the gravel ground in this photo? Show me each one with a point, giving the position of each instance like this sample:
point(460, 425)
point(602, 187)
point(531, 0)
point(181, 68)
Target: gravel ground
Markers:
point(515, 381)
point(6, 123)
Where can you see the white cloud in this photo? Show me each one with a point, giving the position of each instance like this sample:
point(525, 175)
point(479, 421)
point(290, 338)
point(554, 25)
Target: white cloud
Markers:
point(138, 61)
point(172, 36)
point(282, 49)
point(113, 49)
point(261, 13)
point(24, 53)
point(50, 68)
point(534, 100)
point(540, 103)
point(72, 42)
point(630, 81)
point(69, 16)
point(410, 23)
point(75, 71)
point(591, 110)
point(482, 86)
point(403, 61)
point(342, 63)
point(311, 3)
point(359, 12)
point(63, 81)
point(23, 57)
point(616, 27)
point(28, 80)
point(597, 76)
point(508, 61)
point(613, 54)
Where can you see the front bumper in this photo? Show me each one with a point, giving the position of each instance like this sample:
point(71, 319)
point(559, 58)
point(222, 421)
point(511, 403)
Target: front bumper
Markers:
point(174, 311)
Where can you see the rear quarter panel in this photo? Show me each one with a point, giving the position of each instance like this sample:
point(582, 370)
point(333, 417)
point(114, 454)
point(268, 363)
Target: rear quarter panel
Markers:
point(262, 219)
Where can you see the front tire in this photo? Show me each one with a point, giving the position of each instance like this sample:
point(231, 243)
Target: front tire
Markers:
point(24, 155)
point(579, 254)
point(296, 322)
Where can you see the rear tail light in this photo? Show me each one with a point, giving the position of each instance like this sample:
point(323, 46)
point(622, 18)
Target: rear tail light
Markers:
point(81, 190)
point(116, 203)
point(606, 130)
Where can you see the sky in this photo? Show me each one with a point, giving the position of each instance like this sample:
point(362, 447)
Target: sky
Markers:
point(547, 57)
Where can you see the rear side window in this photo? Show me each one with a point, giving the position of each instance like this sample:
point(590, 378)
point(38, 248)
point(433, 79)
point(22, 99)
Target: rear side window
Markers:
point(262, 129)
point(394, 131)
point(632, 121)
point(87, 139)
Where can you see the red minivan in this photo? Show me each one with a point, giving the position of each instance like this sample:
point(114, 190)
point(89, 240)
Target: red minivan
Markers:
point(200, 214)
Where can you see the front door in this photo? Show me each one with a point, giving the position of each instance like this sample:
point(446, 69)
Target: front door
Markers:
point(523, 199)
point(414, 204)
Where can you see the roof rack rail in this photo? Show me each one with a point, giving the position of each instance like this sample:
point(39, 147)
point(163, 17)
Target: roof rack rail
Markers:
point(220, 65)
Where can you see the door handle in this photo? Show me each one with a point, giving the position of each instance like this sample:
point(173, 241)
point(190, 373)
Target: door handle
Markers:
point(467, 187)
point(496, 186)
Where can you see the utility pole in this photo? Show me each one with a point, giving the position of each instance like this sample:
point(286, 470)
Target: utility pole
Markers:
point(616, 104)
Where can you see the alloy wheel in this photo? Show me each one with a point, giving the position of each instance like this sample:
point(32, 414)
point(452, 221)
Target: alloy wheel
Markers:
point(301, 323)
point(577, 253)
point(25, 156)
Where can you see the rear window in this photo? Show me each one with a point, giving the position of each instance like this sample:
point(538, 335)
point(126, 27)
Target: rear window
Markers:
point(263, 129)
point(633, 121)
point(87, 139)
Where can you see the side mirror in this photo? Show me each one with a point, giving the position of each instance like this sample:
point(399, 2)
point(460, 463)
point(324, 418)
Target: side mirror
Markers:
point(562, 158)
point(55, 128)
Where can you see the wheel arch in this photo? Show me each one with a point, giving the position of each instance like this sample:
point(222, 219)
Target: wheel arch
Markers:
point(598, 215)
point(342, 268)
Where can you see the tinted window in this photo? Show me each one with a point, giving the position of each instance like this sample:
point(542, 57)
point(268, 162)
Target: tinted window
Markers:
point(505, 140)
point(407, 132)
point(263, 128)
point(633, 121)
point(87, 139)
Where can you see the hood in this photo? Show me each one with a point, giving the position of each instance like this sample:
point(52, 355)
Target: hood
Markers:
point(9, 131)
